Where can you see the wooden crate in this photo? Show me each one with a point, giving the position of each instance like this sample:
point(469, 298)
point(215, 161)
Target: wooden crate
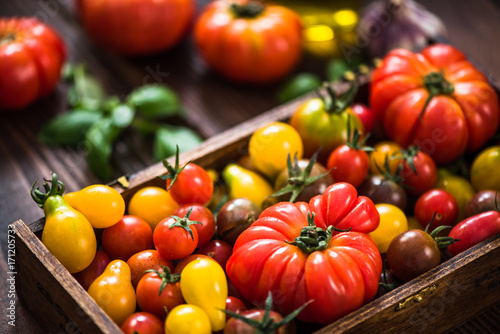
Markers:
point(457, 290)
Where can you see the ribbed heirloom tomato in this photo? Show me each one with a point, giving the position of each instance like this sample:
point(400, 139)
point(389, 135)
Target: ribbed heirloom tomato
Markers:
point(435, 99)
point(247, 41)
point(285, 252)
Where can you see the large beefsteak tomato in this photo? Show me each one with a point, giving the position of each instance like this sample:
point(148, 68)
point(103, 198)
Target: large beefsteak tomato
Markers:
point(287, 253)
point(31, 57)
point(435, 99)
point(248, 41)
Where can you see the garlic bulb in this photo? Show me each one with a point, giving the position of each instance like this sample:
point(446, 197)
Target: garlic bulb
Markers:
point(388, 24)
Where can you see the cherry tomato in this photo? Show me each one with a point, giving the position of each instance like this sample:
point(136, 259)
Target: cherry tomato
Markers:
point(182, 263)
point(152, 204)
point(94, 270)
point(218, 250)
point(385, 150)
point(158, 25)
point(270, 146)
point(439, 204)
point(142, 323)
point(366, 116)
point(192, 185)
point(482, 201)
point(392, 222)
point(127, 237)
point(458, 186)
point(236, 326)
point(384, 190)
point(187, 319)
point(159, 290)
point(31, 58)
point(234, 217)
point(175, 237)
point(249, 41)
point(234, 304)
point(145, 260)
point(202, 214)
point(484, 170)
point(418, 172)
point(349, 164)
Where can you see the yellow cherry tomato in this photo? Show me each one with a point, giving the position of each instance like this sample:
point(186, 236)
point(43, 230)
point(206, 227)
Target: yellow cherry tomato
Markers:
point(393, 221)
point(102, 205)
point(153, 204)
point(67, 234)
point(113, 291)
point(484, 173)
point(458, 186)
point(187, 319)
point(204, 284)
point(384, 149)
point(270, 145)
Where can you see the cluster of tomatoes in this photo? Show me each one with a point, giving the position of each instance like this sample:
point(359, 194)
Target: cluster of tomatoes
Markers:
point(305, 221)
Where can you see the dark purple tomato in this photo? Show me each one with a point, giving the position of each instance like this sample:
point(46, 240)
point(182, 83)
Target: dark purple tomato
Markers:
point(382, 190)
point(412, 253)
point(234, 217)
point(481, 202)
point(219, 250)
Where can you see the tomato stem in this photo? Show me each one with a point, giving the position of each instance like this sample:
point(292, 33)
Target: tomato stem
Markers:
point(166, 277)
point(436, 84)
point(249, 10)
point(185, 222)
point(173, 171)
point(55, 188)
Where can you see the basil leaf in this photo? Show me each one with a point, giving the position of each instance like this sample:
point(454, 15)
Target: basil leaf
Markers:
point(86, 92)
point(297, 86)
point(99, 144)
point(336, 69)
point(68, 128)
point(122, 116)
point(155, 101)
point(168, 137)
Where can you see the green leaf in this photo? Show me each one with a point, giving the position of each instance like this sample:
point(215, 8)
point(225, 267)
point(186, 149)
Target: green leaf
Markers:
point(122, 116)
point(68, 128)
point(336, 69)
point(99, 144)
point(297, 86)
point(167, 138)
point(155, 101)
point(86, 92)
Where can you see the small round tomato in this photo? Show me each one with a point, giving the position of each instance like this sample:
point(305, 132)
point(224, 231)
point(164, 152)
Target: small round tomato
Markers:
point(348, 163)
point(182, 263)
point(142, 323)
point(366, 116)
point(392, 222)
point(175, 237)
point(384, 190)
point(484, 170)
point(202, 214)
point(145, 260)
point(438, 206)
point(412, 253)
point(31, 58)
point(234, 217)
point(385, 151)
point(152, 204)
point(482, 201)
point(418, 172)
point(234, 304)
point(94, 270)
point(189, 184)
point(236, 326)
point(127, 237)
point(249, 41)
point(458, 186)
point(270, 146)
point(159, 290)
point(187, 319)
point(218, 250)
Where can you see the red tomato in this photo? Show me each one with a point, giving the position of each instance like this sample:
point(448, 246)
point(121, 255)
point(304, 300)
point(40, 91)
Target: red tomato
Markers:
point(145, 260)
point(234, 304)
point(175, 238)
point(192, 185)
point(137, 27)
point(31, 58)
point(218, 250)
point(127, 237)
point(247, 41)
point(295, 259)
point(438, 202)
point(94, 270)
point(206, 229)
point(366, 116)
point(159, 290)
point(419, 172)
point(142, 323)
point(435, 99)
point(348, 164)
point(182, 263)
point(473, 230)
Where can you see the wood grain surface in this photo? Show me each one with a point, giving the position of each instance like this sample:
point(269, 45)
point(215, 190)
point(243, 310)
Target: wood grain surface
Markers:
point(211, 103)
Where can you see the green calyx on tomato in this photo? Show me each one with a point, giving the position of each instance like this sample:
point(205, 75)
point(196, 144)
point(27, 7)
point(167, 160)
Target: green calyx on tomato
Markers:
point(436, 84)
point(249, 10)
point(166, 277)
point(298, 179)
point(355, 139)
point(173, 172)
point(185, 223)
point(313, 238)
point(57, 188)
point(338, 103)
point(267, 325)
point(441, 242)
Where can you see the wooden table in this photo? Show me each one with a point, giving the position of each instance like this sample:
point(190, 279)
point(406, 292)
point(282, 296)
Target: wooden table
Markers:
point(212, 105)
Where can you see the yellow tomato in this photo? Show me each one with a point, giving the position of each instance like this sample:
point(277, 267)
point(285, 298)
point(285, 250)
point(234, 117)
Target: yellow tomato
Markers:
point(393, 221)
point(384, 149)
point(270, 146)
point(153, 204)
point(458, 186)
point(187, 319)
point(484, 173)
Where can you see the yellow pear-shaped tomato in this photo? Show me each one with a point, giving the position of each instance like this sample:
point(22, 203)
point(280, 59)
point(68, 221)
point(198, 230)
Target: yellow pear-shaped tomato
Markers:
point(113, 291)
point(102, 205)
point(204, 284)
point(67, 234)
